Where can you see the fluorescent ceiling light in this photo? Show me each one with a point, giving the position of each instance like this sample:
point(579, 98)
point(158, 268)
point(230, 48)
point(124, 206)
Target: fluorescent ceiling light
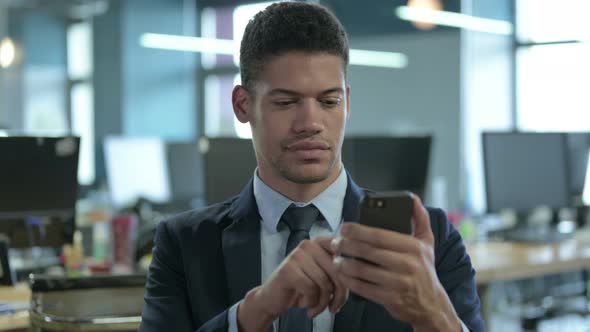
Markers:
point(231, 47)
point(456, 20)
point(188, 43)
point(378, 59)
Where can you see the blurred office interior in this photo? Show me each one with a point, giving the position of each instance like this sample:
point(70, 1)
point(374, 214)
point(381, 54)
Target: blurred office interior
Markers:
point(116, 114)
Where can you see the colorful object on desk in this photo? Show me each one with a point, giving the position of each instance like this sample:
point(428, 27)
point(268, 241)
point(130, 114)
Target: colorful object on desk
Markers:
point(124, 229)
point(101, 241)
point(468, 229)
point(73, 255)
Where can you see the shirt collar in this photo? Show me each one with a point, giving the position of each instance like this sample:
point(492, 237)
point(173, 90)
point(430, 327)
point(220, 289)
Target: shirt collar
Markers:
point(272, 204)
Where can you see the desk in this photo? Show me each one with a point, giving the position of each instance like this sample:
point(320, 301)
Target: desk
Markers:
point(502, 261)
point(493, 261)
point(20, 320)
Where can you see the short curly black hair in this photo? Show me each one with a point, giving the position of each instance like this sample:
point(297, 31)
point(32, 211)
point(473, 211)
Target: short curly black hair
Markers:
point(289, 26)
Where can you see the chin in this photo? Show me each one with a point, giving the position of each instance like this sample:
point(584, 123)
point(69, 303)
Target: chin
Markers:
point(307, 173)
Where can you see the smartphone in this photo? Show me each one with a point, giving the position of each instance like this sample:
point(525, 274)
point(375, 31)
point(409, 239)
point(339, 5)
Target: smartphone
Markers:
point(392, 210)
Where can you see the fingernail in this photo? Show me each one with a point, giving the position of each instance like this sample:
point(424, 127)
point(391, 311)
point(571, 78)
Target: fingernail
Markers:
point(335, 242)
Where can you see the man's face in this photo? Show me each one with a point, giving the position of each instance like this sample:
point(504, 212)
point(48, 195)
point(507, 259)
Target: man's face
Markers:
point(298, 114)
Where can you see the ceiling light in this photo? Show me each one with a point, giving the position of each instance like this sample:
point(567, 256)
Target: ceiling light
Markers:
point(425, 4)
point(7, 52)
point(231, 47)
point(453, 19)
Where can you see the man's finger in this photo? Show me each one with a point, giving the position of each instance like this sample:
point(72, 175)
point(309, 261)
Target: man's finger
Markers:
point(379, 238)
point(421, 220)
point(373, 274)
point(308, 264)
point(325, 243)
point(323, 257)
point(388, 259)
point(367, 290)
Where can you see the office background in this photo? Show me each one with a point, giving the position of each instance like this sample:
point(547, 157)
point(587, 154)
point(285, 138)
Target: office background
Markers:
point(115, 70)
point(452, 76)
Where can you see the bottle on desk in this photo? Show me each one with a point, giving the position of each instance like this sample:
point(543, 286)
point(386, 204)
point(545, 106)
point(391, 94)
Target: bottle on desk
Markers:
point(74, 256)
point(124, 228)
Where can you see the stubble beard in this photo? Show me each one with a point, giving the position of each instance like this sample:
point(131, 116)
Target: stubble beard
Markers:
point(296, 174)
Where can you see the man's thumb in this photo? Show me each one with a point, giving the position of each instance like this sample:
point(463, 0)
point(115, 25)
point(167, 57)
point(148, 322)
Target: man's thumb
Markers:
point(421, 220)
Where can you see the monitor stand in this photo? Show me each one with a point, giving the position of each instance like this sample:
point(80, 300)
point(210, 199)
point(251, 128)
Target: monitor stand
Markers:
point(530, 233)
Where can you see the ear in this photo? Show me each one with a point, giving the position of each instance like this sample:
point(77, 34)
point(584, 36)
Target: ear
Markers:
point(347, 102)
point(242, 103)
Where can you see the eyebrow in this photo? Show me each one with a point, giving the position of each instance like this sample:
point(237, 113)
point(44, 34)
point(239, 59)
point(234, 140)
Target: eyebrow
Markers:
point(295, 93)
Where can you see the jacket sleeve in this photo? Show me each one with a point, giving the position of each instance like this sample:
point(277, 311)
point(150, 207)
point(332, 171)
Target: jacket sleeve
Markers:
point(455, 272)
point(167, 307)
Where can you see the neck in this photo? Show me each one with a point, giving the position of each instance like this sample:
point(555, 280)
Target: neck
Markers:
point(298, 192)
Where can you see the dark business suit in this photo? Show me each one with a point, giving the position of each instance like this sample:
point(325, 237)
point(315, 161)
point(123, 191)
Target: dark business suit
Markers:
point(206, 260)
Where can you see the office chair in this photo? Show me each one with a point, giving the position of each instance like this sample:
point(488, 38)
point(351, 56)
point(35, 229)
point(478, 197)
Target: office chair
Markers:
point(5, 272)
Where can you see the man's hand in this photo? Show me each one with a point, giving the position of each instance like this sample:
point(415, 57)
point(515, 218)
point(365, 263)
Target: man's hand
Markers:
point(307, 278)
point(402, 276)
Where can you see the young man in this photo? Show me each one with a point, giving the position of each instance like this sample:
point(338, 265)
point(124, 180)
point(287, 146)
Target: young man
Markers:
point(248, 264)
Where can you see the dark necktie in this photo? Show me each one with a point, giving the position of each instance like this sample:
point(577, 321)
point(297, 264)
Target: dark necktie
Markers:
point(299, 221)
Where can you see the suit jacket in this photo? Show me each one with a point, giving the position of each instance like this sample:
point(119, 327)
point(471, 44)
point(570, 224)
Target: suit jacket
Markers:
point(206, 260)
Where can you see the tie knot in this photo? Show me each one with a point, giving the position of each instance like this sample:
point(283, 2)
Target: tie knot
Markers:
point(300, 218)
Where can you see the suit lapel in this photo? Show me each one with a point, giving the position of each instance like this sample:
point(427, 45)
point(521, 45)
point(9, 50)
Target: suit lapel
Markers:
point(241, 246)
point(350, 316)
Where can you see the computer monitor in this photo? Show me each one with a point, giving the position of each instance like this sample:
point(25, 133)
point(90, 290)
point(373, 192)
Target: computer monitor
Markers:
point(38, 175)
point(388, 163)
point(186, 174)
point(38, 189)
point(136, 168)
point(228, 165)
point(378, 163)
point(525, 170)
point(578, 145)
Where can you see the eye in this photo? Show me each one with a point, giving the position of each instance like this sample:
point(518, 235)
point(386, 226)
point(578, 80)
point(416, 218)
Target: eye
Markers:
point(283, 103)
point(331, 102)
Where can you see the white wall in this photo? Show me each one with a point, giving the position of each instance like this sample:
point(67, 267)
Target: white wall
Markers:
point(487, 104)
point(422, 98)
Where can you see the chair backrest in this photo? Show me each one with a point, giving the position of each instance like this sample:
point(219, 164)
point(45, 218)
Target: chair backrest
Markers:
point(5, 272)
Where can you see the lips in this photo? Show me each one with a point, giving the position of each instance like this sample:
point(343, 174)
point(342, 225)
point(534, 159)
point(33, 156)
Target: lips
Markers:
point(308, 145)
point(309, 150)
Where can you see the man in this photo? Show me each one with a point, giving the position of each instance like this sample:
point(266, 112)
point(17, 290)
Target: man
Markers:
point(245, 264)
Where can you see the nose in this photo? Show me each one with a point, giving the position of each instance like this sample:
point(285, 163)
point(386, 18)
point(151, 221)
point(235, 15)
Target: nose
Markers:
point(308, 117)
